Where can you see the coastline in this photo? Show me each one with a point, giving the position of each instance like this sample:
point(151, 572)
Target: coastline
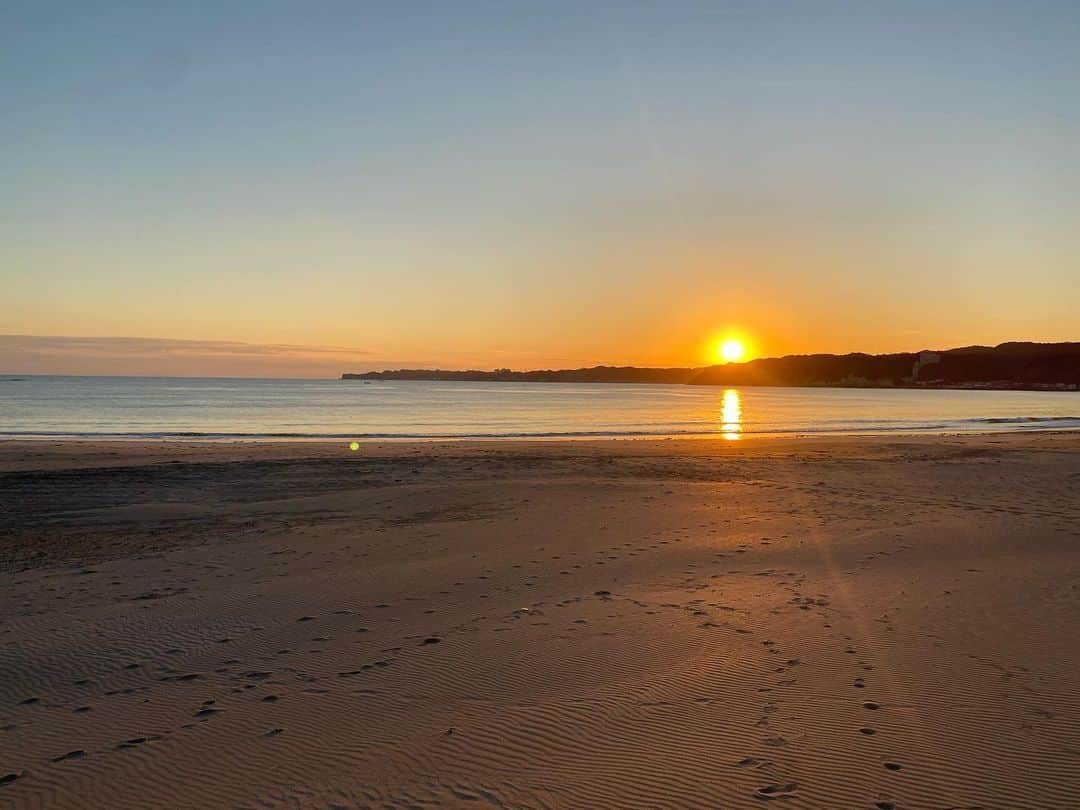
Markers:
point(61, 452)
point(1022, 366)
point(845, 621)
point(1022, 426)
point(1065, 388)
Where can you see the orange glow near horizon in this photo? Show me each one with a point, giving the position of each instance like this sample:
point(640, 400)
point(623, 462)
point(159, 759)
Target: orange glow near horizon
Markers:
point(732, 350)
point(729, 349)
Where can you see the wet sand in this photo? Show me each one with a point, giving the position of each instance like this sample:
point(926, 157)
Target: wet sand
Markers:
point(827, 623)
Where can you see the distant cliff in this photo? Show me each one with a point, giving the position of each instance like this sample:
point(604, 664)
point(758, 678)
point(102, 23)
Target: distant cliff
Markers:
point(1008, 365)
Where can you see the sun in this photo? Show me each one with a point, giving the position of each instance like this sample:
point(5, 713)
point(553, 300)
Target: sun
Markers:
point(730, 350)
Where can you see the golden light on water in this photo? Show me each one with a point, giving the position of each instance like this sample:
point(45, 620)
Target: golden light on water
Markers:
point(731, 414)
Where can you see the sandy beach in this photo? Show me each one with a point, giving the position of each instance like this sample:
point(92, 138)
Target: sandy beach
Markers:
point(822, 622)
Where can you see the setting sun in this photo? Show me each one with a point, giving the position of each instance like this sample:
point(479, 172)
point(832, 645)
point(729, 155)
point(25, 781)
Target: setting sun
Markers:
point(633, 306)
point(730, 350)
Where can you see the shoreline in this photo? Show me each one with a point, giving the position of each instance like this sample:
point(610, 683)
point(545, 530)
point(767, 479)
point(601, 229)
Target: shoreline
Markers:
point(22, 455)
point(717, 438)
point(719, 435)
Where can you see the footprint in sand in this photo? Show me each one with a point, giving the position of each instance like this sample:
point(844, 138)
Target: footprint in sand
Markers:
point(777, 791)
point(80, 754)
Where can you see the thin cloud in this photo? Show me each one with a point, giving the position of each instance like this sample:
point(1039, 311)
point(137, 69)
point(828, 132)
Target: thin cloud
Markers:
point(65, 354)
point(166, 357)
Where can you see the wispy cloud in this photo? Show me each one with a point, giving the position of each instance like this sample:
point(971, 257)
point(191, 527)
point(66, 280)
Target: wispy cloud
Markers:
point(62, 354)
point(166, 357)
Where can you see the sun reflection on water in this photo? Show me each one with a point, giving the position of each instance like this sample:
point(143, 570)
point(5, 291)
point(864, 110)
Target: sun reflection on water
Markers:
point(731, 415)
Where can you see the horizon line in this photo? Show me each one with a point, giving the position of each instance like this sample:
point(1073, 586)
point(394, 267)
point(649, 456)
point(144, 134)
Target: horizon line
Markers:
point(388, 368)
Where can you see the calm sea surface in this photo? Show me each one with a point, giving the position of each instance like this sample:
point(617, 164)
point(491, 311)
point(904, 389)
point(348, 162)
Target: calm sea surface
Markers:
point(159, 407)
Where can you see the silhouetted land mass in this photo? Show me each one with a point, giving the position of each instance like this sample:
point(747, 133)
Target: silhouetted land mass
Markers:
point(1008, 365)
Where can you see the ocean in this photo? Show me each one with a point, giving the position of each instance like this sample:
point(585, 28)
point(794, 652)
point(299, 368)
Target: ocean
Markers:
point(196, 408)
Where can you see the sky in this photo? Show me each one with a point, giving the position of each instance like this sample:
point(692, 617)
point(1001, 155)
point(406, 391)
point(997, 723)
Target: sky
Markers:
point(300, 189)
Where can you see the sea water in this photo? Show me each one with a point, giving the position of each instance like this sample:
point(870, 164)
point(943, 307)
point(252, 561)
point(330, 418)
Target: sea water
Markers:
point(198, 408)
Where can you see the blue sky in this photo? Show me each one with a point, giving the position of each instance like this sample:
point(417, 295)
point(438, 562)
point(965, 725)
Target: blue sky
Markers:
point(557, 183)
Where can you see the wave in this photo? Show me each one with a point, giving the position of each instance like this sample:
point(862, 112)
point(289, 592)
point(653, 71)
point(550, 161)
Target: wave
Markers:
point(1018, 420)
point(855, 427)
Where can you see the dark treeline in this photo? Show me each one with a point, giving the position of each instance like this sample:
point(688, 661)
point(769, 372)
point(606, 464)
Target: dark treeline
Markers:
point(1008, 365)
